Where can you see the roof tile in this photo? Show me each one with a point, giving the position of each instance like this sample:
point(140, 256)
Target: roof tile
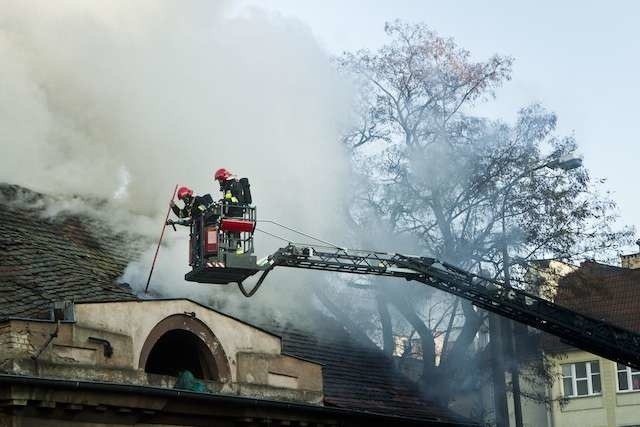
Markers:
point(49, 259)
point(601, 291)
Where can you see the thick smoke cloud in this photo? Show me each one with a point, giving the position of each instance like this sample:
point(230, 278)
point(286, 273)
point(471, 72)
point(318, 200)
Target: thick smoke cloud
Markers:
point(122, 100)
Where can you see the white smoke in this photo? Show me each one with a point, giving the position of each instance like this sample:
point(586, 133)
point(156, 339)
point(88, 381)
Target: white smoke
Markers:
point(123, 100)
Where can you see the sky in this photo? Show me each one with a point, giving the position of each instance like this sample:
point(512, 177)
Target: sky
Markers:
point(578, 58)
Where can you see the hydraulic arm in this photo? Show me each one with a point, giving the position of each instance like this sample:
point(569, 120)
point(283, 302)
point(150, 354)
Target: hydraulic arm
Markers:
point(584, 332)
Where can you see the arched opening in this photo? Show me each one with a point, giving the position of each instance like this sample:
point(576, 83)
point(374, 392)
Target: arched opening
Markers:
point(182, 342)
point(179, 350)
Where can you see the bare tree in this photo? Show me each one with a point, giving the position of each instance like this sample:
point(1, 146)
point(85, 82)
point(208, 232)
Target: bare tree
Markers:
point(468, 190)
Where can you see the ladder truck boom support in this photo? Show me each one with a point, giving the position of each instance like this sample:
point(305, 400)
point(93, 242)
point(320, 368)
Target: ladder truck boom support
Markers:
point(578, 330)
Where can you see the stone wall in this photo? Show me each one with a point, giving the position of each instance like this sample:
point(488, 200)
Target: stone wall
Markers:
point(14, 341)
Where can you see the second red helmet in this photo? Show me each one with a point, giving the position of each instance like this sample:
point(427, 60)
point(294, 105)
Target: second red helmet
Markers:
point(184, 192)
point(222, 174)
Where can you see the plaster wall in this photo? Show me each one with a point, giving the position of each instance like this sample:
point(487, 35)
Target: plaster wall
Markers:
point(609, 408)
point(279, 371)
point(546, 279)
point(137, 318)
point(109, 341)
point(534, 413)
point(66, 343)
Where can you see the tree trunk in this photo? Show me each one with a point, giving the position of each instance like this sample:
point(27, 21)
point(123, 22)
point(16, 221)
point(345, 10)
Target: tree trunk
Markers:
point(426, 340)
point(388, 346)
point(459, 351)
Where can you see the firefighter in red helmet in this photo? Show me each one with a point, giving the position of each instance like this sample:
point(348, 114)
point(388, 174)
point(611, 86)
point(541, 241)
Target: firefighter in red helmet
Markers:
point(192, 214)
point(235, 195)
point(222, 174)
point(234, 192)
point(193, 205)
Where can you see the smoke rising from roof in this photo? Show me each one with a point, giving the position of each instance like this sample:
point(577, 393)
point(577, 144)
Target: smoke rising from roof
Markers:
point(122, 100)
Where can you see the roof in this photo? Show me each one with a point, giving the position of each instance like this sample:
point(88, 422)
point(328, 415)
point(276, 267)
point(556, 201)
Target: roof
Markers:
point(71, 257)
point(601, 291)
point(358, 376)
point(46, 259)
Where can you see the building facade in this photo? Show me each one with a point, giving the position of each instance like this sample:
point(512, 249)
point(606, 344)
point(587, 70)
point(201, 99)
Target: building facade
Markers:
point(597, 392)
point(589, 391)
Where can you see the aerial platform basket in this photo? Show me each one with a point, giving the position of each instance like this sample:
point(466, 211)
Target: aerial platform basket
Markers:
point(221, 245)
point(219, 275)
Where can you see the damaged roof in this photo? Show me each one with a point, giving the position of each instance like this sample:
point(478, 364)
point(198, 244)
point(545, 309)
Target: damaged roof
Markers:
point(359, 376)
point(46, 259)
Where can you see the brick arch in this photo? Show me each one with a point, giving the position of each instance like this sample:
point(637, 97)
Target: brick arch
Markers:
point(216, 354)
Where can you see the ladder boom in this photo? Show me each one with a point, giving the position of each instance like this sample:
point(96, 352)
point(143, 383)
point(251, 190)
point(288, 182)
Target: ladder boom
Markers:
point(581, 331)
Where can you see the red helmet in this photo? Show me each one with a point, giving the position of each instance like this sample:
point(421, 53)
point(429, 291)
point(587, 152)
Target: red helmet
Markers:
point(222, 174)
point(184, 192)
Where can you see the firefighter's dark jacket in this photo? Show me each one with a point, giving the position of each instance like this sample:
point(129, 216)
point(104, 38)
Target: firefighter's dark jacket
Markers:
point(232, 192)
point(197, 207)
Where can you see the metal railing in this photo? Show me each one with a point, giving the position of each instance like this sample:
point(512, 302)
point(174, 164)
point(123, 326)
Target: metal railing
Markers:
point(228, 242)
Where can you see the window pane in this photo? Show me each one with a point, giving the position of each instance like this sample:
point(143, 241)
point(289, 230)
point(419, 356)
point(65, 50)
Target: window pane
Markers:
point(583, 389)
point(566, 370)
point(595, 367)
point(568, 387)
point(621, 367)
point(635, 381)
point(581, 370)
point(635, 371)
point(595, 383)
point(622, 381)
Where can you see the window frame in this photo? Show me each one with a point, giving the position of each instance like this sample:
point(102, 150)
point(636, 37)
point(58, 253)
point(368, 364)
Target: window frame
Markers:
point(574, 379)
point(629, 375)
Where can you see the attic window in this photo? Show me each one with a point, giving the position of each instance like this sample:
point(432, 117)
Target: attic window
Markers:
point(183, 342)
point(179, 350)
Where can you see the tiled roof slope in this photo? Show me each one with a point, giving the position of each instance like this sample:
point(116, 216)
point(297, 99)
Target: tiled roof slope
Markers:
point(603, 292)
point(43, 260)
point(358, 376)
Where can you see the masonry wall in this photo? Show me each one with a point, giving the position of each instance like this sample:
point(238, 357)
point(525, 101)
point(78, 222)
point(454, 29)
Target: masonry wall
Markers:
point(630, 261)
point(14, 341)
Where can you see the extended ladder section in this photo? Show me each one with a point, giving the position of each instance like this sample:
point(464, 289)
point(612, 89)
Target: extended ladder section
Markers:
point(584, 332)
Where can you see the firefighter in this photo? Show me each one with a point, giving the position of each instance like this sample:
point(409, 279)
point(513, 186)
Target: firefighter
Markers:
point(231, 190)
point(235, 195)
point(193, 213)
point(193, 205)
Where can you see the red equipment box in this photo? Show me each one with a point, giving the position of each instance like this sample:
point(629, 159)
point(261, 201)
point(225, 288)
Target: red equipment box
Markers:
point(237, 225)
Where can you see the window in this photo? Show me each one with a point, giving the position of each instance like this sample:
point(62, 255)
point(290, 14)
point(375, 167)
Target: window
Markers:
point(581, 379)
point(628, 378)
point(181, 350)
